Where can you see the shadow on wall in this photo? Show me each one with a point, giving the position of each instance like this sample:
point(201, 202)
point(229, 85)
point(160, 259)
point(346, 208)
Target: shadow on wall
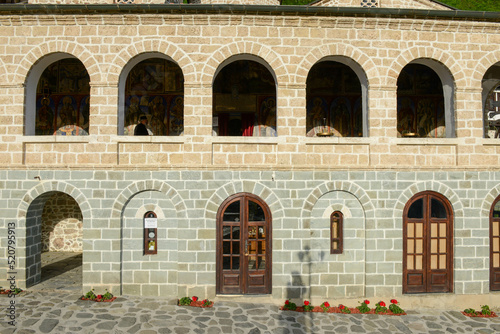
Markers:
point(300, 285)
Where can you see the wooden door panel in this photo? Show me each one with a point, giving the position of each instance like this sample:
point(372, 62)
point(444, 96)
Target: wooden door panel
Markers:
point(427, 244)
point(243, 246)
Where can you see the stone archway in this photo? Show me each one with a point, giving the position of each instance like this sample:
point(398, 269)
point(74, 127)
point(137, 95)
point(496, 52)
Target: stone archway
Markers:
point(54, 251)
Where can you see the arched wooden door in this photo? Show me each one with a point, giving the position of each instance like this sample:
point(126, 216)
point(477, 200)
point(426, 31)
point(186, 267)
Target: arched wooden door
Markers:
point(244, 246)
point(495, 245)
point(428, 244)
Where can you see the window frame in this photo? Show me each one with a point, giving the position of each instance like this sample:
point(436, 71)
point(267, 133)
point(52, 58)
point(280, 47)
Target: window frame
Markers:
point(338, 217)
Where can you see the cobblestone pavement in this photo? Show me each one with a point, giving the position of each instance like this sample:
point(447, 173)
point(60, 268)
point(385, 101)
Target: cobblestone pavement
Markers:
point(63, 312)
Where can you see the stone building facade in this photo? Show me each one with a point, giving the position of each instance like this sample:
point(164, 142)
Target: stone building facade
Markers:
point(258, 212)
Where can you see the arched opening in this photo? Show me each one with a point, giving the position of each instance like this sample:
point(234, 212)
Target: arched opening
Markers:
point(58, 97)
point(425, 101)
point(491, 102)
point(151, 87)
point(244, 246)
point(55, 249)
point(336, 99)
point(427, 244)
point(495, 245)
point(244, 99)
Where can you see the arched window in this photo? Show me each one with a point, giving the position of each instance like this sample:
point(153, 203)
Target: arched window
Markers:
point(62, 100)
point(336, 232)
point(495, 245)
point(425, 101)
point(427, 244)
point(244, 99)
point(336, 99)
point(491, 101)
point(153, 91)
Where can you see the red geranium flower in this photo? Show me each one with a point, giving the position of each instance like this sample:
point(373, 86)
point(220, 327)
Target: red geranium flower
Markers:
point(327, 304)
point(341, 307)
point(287, 302)
point(367, 302)
point(99, 296)
point(195, 298)
point(382, 304)
point(306, 302)
point(394, 301)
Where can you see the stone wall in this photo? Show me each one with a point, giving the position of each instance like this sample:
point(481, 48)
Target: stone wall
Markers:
point(61, 225)
point(113, 204)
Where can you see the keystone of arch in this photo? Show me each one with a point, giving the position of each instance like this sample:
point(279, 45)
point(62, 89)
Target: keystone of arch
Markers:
point(151, 46)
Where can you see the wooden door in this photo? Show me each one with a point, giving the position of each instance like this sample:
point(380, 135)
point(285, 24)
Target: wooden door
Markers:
point(495, 245)
point(244, 246)
point(427, 244)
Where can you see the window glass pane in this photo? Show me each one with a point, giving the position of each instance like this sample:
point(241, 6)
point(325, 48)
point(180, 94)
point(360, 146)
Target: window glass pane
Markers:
point(416, 209)
point(442, 261)
point(496, 210)
point(437, 209)
point(226, 262)
point(335, 245)
point(226, 232)
point(255, 212)
point(236, 247)
point(226, 247)
point(409, 262)
point(236, 232)
point(252, 232)
point(262, 262)
point(232, 213)
point(262, 232)
point(252, 262)
point(236, 263)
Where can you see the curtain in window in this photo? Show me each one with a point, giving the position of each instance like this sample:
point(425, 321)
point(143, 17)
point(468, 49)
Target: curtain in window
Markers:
point(247, 122)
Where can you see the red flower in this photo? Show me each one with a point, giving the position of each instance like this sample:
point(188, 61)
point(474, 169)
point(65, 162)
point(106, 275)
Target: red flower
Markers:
point(287, 302)
point(306, 302)
point(195, 298)
point(341, 307)
point(394, 301)
point(99, 296)
point(382, 304)
point(326, 304)
point(367, 302)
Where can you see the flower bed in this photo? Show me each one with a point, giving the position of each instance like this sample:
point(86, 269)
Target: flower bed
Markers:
point(363, 308)
point(16, 291)
point(484, 313)
point(195, 302)
point(107, 297)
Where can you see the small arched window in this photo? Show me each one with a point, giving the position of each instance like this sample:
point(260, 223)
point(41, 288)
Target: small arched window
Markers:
point(336, 235)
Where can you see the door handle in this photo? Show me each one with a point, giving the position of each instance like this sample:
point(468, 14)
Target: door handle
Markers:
point(246, 248)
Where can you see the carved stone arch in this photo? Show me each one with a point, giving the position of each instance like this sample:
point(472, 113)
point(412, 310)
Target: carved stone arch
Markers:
point(73, 50)
point(140, 186)
point(31, 68)
point(150, 47)
point(362, 65)
point(455, 70)
point(488, 201)
point(435, 186)
point(363, 61)
point(445, 66)
point(482, 66)
point(51, 186)
point(4, 75)
point(271, 59)
point(252, 187)
point(29, 221)
point(358, 192)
